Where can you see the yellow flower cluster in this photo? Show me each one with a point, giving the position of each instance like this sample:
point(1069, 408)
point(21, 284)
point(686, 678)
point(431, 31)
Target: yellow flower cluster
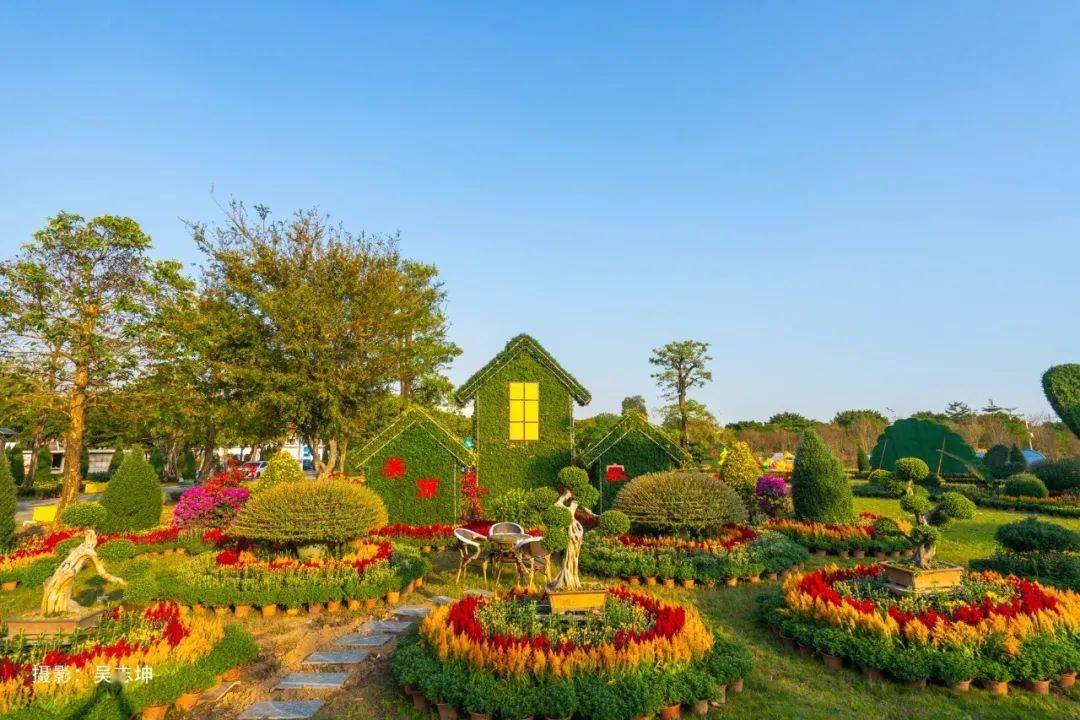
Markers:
point(686, 646)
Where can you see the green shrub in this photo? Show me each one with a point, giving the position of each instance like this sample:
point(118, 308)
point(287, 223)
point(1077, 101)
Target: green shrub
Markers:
point(1025, 485)
point(15, 464)
point(952, 506)
point(679, 502)
point(299, 513)
point(119, 549)
point(157, 461)
point(1060, 569)
point(66, 546)
point(911, 469)
point(9, 503)
point(115, 460)
point(862, 460)
point(1059, 475)
point(1032, 535)
point(517, 505)
point(540, 498)
point(132, 499)
point(87, 514)
point(188, 468)
point(281, 467)
point(576, 480)
point(820, 490)
point(741, 471)
point(44, 466)
point(613, 522)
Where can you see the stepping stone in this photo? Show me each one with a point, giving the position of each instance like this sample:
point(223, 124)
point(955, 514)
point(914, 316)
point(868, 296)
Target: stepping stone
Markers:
point(441, 600)
point(365, 640)
point(385, 626)
point(312, 680)
point(282, 710)
point(412, 611)
point(217, 692)
point(336, 657)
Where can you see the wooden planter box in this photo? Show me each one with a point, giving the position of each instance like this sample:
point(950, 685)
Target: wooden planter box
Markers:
point(915, 580)
point(576, 600)
point(32, 627)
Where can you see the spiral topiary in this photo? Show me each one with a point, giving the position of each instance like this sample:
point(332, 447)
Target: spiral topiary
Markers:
point(298, 513)
point(677, 501)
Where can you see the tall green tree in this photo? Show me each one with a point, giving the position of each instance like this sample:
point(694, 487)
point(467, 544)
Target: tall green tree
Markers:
point(76, 296)
point(635, 403)
point(9, 503)
point(792, 421)
point(703, 432)
point(682, 368)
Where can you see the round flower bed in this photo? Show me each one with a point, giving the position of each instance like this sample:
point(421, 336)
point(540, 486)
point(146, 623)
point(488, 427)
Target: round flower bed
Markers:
point(739, 553)
point(156, 654)
point(239, 578)
point(992, 627)
point(865, 537)
point(504, 657)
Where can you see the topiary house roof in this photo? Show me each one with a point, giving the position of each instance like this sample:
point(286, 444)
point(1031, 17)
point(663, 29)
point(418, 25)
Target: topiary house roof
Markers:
point(413, 416)
point(635, 422)
point(523, 343)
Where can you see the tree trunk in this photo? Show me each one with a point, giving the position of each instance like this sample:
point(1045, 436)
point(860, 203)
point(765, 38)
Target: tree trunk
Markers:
point(341, 457)
point(73, 442)
point(684, 438)
point(924, 554)
point(208, 462)
point(569, 577)
point(331, 459)
point(36, 444)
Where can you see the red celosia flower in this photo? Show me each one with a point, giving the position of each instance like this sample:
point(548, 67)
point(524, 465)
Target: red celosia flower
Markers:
point(615, 473)
point(394, 468)
point(427, 488)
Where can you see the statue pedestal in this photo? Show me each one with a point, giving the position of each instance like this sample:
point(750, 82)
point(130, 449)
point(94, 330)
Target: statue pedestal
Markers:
point(32, 626)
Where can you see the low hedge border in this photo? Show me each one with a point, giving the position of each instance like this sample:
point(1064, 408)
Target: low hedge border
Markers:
point(112, 702)
point(999, 502)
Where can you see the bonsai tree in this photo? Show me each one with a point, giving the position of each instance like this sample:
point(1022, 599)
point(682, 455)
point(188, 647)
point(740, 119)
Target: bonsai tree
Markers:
point(578, 494)
point(929, 517)
point(820, 490)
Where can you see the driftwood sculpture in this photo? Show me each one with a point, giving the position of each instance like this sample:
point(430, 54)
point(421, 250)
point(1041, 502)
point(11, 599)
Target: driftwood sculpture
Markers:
point(59, 586)
point(568, 577)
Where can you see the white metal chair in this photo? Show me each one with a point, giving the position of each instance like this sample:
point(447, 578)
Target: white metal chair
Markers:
point(471, 547)
point(534, 556)
point(508, 528)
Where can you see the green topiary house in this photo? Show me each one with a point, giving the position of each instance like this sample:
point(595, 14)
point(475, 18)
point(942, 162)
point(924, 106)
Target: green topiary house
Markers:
point(416, 465)
point(523, 417)
point(633, 447)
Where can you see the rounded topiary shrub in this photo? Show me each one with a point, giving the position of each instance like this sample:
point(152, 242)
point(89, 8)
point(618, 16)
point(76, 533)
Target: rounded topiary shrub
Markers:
point(118, 549)
point(576, 480)
point(1025, 485)
point(820, 490)
point(953, 506)
point(132, 499)
point(83, 515)
point(911, 469)
point(299, 513)
point(677, 502)
point(281, 467)
point(740, 471)
point(1059, 475)
point(9, 503)
point(613, 522)
point(1032, 535)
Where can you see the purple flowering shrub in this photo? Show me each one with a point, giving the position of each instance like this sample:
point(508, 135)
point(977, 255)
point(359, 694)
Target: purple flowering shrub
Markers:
point(205, 508)
point(773, 495)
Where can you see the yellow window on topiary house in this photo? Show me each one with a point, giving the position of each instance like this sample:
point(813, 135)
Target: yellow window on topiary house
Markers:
point(524, 411)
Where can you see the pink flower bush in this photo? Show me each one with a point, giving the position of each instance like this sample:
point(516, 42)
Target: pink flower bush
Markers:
point(773, 495)
point(205, 508)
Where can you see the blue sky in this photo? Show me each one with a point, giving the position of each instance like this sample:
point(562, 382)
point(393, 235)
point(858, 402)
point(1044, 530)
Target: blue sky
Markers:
point(857, 204)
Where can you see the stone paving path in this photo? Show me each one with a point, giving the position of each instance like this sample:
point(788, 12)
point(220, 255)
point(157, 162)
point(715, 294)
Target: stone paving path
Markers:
point(372, 634)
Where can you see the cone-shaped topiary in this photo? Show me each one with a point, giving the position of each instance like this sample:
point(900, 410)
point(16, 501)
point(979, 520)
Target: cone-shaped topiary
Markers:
point(820, 490)
point(281, 467)
point(741, 471)
point(675, 501)
point(862, 460)
point(8, 504)
point(299, 513)
point(15, 464)
point(44, 466)
point(132, 499)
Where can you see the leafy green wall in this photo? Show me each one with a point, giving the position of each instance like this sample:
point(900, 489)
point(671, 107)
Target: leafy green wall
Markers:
point(424, 457)
point(502, 464)
point(638, 454)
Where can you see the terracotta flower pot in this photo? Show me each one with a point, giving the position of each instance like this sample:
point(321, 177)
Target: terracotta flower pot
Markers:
point(669, 582)
point(479, 716)
point(242, 611)
point(710, 584)
point(370, 603)
point(419, 701)
point(859, 553)
point(446, 712)
point(1039, 687)
point(917, 683)
point(426, 548)
point(644, 717)
point(292, 612)
point(650, 580)
point(845, 553)
point(735, 686)
point(754, 579)
point(314, 609)
point(221, 611)
point(167, 551)
point(231, 674)
point(998, 687)
point(9, 585)
point(332, 606)
point(552, 717)
point(962, 686)
point(1067, 680)
point(821, 553)
point(833, 662)
point(671, 712)
point(418, 582)
point(721, 696)
point(181, 551)
point(688, 584)
point(872, 674)
point(354, 605)
point(894, 554)
point(731, 581)
point(393, 597)
point(788, 643)
point(187, 701)
point(269, 610)
point(771, 576)
point(701, 707)
point(198, 609)
point(806, 650)
point(880, 555)
point(155, 712)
